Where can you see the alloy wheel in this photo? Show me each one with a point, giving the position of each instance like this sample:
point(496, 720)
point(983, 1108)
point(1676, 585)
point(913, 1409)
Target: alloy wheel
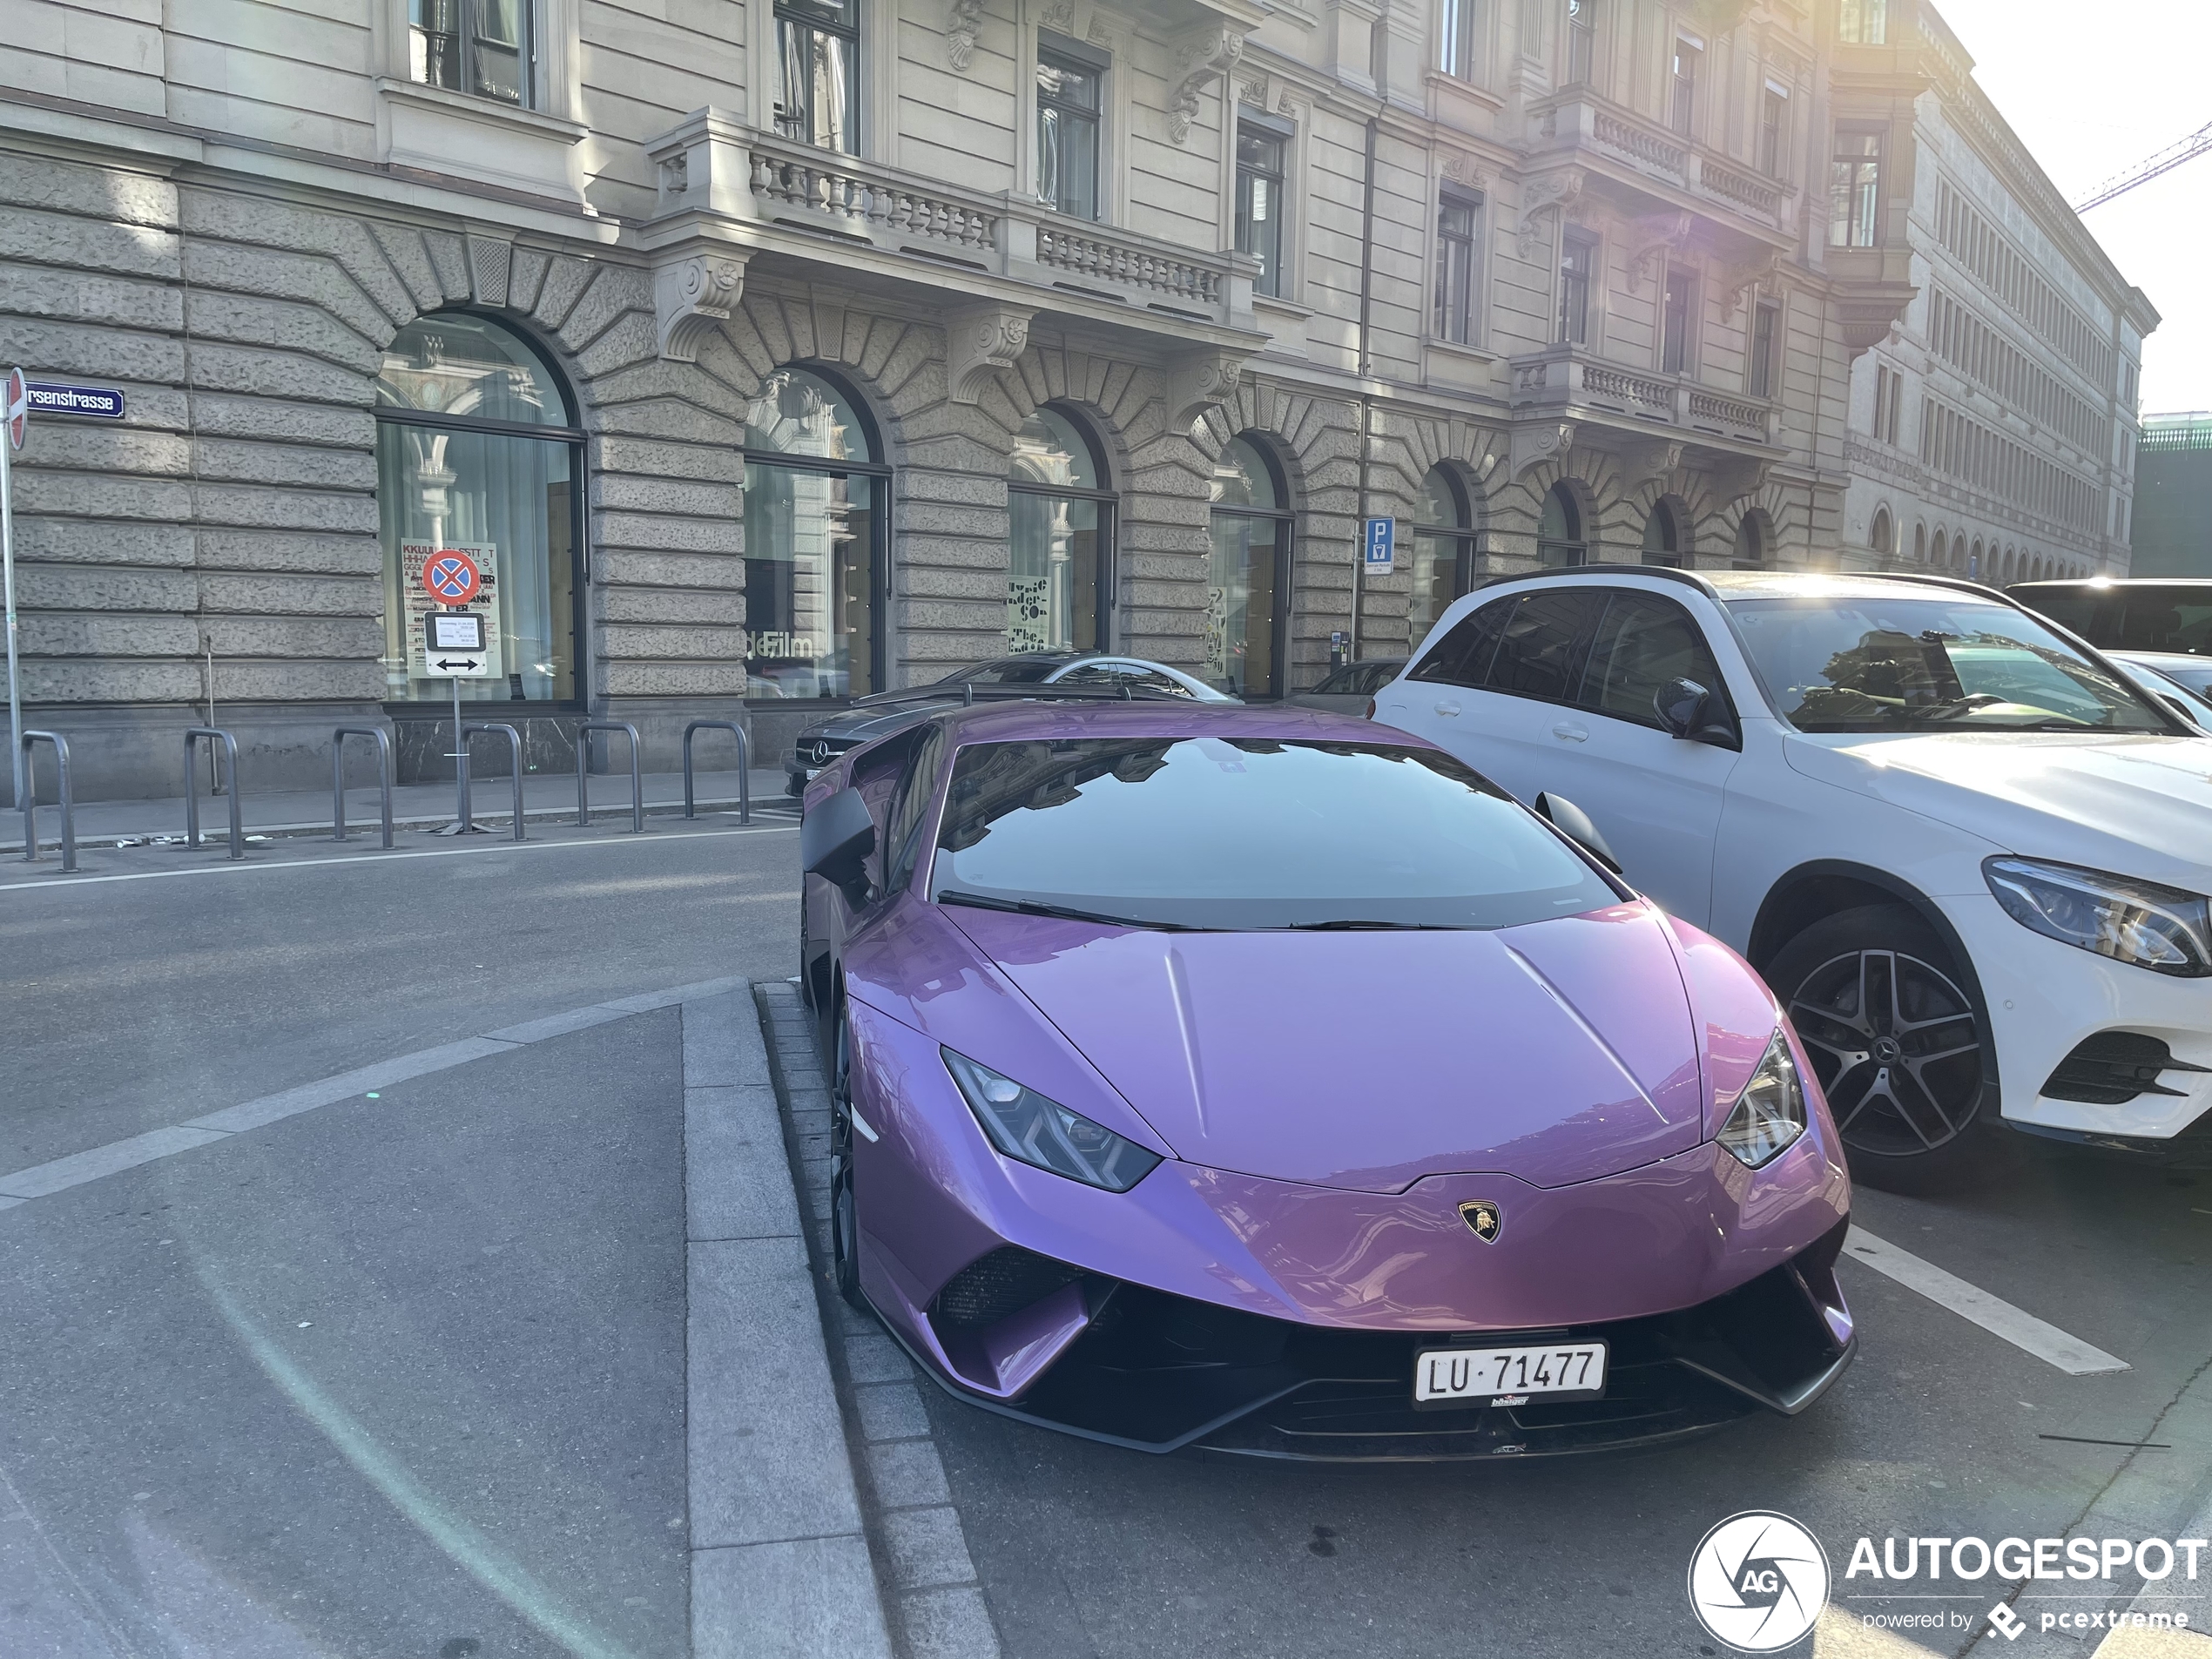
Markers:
point(1893, 1039)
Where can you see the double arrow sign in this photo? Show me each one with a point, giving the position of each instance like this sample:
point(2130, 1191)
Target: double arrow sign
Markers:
point(460, 665)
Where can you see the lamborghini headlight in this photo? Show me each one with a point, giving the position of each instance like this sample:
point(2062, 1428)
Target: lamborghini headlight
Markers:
point(2161, 928)
point(1769, 1114)
point(1024, 1125)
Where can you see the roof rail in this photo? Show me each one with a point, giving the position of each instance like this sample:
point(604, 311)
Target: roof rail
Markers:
point(969, 693)
point(1688, 578)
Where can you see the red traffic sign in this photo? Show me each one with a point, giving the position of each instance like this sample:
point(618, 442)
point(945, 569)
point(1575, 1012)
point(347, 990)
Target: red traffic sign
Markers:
point(451, 578)
point(15, 408)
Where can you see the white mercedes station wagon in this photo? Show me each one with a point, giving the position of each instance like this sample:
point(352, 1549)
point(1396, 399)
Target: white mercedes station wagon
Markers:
point(1970, 856)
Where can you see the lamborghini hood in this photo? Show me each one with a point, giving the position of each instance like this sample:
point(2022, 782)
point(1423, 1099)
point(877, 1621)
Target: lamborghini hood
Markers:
point(1557, 1052)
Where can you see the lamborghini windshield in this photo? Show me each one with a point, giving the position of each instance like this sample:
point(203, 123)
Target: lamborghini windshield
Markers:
point(1234, 833)
point(1839, 662)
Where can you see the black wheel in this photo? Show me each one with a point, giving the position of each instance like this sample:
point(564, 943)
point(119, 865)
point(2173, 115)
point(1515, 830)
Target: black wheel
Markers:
point(1896, 1039)
point(845, 1215)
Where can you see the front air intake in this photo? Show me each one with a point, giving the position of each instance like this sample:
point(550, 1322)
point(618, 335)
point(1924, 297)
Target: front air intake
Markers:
point(991, 1287)
point(2113, 1067)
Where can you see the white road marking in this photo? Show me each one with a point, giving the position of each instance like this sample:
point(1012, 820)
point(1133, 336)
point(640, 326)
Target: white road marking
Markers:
point(229, 866)
point(1993, 1314)
point(58, 1175)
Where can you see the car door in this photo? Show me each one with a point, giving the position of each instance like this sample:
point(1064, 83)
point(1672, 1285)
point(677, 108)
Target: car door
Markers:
point(1518, 661)
point(1655, 798)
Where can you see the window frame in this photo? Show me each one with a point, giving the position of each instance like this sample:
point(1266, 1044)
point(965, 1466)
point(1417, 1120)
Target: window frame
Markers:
point(1461, 53)
point(1462, 534)
point(1578, 32)
point(579, 492)
point(1457, 283)
point(1074, 56)
point(1677, 318)
point(1856, 178)
point(1104, 580)
point(1581, 282)
point(1774, 131)
point(1284, 518)
point(1271, 281)
point(1761, 361)
point(879, 539)
point(792, 13)
point(530, 70)
point(1578, 537)
point(1683, 76)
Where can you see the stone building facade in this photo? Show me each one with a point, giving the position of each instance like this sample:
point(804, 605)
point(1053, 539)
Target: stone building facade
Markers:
point(1993, 429)
point(764, 352)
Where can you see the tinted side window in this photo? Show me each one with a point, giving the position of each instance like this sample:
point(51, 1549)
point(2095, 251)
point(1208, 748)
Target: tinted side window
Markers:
point(909, 806)
point(2075, 607)
point(2175, 619)
point(1540, 650)
point(1462, 657)
point(1644, 642)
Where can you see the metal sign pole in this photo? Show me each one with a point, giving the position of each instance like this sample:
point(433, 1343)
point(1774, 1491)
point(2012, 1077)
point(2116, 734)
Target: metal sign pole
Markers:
point(460, 768)
point(8, 595)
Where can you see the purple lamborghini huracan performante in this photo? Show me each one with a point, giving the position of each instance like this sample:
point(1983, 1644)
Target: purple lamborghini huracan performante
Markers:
point(1266, 1082)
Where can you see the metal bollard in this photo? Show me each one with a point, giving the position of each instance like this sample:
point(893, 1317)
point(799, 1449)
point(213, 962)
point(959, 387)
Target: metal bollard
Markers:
point(515, 750)
point(192, 795)
point(30, 800)
point(744, 765)
point(338, 776)
point(636, 781)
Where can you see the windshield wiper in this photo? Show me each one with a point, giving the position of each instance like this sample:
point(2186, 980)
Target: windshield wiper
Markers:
point(1064, 913)
point(1365, 924)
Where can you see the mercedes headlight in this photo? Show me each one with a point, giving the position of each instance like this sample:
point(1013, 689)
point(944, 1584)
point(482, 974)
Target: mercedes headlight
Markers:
point(1023, 1124)
point(1769, 1114)
point(2161, 928)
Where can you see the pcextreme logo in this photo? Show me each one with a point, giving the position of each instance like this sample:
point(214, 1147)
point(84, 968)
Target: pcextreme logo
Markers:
point(1758, 1582)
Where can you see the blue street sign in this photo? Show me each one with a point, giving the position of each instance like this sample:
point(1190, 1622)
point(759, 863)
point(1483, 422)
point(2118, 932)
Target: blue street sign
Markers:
point(1382, 546)
point(52, 397)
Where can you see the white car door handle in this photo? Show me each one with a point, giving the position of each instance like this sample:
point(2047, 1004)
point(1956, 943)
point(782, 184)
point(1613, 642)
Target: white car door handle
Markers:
point(1571, 731)
point(1448, 708)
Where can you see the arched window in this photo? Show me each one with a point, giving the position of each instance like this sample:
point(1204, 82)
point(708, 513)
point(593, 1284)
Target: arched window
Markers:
point(1750, 544)
point(1878, 538)
point(1559, 530)
point(1249, 577)
point(1974, 566)
point(814, 564)
point(1443, 551)
point(1059, 591)
point(1662, 540)
point(1942, 552)
point(477, 452)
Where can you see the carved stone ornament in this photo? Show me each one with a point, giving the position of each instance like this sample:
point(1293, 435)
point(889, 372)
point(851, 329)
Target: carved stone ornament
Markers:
point(1201, 382)
point(692, 295)
point(1059, 18)
point(1461, 168)
point(1655, 460)
point(491, 259)
point(1544, 441)
point(1745, 280)
point(963, 20)
point(1555, 190)
point(1198, 61)
point(980, 342)
point(1739, 476)
point(1656, 239)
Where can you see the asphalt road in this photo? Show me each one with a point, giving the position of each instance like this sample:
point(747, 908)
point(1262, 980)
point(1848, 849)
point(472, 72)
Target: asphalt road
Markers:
point(398, 1377)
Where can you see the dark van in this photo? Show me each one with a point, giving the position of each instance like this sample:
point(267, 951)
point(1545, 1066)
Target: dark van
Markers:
point(2152, 614)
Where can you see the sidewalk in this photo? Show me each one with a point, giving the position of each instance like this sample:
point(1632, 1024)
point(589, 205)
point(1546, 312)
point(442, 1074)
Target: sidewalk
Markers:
point(292, 812)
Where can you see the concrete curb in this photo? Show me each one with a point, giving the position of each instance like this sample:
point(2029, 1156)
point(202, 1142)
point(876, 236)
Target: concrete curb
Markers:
point(937, 1604)
point(780, 1565)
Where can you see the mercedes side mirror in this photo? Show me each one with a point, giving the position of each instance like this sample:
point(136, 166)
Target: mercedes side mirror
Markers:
point(834, 841)
point(1694, 714)
point(1574, 823)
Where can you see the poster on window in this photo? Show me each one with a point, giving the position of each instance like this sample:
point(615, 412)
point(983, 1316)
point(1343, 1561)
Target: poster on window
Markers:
point(413, 555)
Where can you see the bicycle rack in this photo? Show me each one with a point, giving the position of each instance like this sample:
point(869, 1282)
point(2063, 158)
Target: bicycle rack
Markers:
point(192, 794)
point(30, 800)
point(636, 782)
point(515, 750)
point(338, 777)
point(744, 765)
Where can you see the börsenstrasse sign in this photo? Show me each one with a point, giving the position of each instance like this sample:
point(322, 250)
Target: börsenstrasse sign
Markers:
point(55, 397)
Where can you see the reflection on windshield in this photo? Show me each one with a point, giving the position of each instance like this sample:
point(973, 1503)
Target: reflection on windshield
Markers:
point(1248, 832)
point(1833, 663)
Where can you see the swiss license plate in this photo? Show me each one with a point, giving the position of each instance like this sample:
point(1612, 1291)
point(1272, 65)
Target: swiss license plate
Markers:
point(1512, 1375)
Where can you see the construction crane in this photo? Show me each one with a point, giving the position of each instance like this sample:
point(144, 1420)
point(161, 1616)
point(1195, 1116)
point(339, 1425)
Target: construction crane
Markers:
point(2143, 171)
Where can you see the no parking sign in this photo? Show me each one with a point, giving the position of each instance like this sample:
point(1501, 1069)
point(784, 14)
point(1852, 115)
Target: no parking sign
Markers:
point(451, 576)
